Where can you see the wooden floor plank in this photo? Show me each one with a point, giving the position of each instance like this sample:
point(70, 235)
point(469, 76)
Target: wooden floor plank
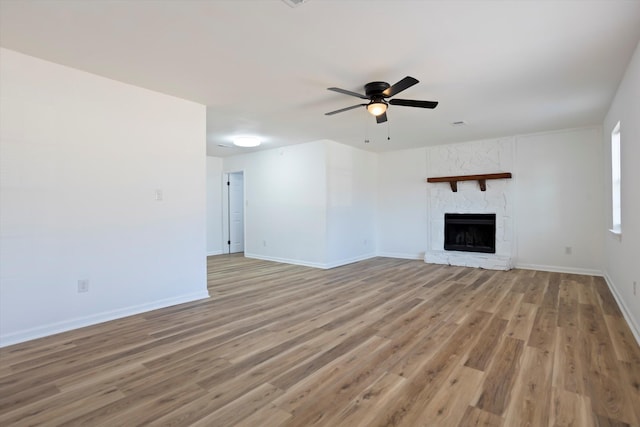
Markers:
point(622, 338)
point(378, 342)
point(496, 389)
point(425, 382)
point(449, 403)
point(474, 417)
point(62, 407)
point(630, 372)
point(532, 388)
point(543, 333)
point(522, 322)
point(570, 410)
point(609, 398)
point(570, 368)
point(481, 353)
point(241, 408)
point(361, 410)
point(607, 301)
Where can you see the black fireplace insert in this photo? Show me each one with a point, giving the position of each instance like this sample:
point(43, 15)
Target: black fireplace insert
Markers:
point(470, 232)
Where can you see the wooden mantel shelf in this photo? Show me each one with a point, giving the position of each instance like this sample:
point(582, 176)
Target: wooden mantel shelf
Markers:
point(482, 179)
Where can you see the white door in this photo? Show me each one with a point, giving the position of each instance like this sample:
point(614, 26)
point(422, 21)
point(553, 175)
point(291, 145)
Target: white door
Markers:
point(236, 212)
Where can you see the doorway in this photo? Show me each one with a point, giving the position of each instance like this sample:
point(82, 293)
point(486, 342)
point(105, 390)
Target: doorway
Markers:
point(234, 230)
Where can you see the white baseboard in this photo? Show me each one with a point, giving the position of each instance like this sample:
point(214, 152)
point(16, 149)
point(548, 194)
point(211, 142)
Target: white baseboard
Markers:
point(80, 322)
point(324, 266)
point(419, 255)
point(349, 261)
point(214, 253)
point(559, 269)
point(633, 325)
point(285, 260)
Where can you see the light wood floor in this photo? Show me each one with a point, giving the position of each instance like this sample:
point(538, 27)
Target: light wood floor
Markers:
point(379, 342)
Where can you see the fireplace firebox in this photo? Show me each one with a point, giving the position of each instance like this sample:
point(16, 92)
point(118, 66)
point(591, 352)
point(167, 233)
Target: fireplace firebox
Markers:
point(470, 232)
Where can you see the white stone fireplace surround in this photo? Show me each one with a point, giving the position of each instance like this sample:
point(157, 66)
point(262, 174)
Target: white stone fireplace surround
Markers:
point(480, 157)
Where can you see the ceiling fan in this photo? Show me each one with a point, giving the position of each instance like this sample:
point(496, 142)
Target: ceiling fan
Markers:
point(376, 92)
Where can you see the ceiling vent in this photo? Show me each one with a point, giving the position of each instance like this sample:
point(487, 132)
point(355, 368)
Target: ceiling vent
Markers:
point(294, 3)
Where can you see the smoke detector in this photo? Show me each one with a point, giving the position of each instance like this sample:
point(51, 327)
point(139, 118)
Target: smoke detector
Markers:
point(294, 3)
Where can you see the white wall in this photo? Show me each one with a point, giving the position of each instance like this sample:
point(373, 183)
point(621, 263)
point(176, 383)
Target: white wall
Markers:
point(214, 205)
point(311, 204)
point(82, 158)
point(351, 204)
point(554, 173)
point(622, 256)
point(402, 204)
point(285, 203)
point(559, 200)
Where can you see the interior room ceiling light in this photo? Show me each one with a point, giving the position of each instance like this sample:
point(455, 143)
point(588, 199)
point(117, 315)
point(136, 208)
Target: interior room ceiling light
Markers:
point(246, 141)
point(294, 3)
point(377, 107)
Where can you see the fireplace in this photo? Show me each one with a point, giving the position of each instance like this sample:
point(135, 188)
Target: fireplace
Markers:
point(470, 232)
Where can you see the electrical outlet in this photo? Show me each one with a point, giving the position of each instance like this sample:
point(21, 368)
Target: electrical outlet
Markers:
point(264, 243)
point(634, 288)
point(83, 286)
point(158, 195)
point(568, 250)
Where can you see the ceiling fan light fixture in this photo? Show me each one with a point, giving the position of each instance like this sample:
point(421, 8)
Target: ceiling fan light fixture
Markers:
point(377, 93)
point(377, 107)
point(246, 141)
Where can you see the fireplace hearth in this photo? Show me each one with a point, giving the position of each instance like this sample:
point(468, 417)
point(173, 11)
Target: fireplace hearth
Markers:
point(470, 232)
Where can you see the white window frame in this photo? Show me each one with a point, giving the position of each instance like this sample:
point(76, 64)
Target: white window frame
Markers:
point(616, 181)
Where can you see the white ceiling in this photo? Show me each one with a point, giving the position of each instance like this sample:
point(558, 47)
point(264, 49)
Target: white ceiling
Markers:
point(262, 67)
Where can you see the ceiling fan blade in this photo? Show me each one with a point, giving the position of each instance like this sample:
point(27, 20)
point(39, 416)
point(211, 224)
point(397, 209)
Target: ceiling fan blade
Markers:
point(413, 103)
point(331, 113)
point(381, 118)
point(347, 92)
point(403, 84)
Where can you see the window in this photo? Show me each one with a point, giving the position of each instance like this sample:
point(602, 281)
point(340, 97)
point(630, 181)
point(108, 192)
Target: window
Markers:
point(616, 225)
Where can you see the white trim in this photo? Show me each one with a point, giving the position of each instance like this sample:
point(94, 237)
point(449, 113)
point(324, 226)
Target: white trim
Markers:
point(515, 228)
point(324, 266)
point(80, 322)
point(616, 180)
point(635, 328)
point(560, 269)
point(419, 255)
point(350, 260)
point(284, 260)
point(218, 252)
point(616, 233)
point(226, 248)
